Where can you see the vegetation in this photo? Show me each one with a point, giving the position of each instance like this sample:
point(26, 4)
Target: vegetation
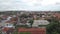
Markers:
point(42, 25)
point(53, 27)
point(23, 15)
point(31, 22)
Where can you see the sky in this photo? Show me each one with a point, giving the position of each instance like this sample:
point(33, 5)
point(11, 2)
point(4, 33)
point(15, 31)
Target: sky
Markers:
point(30, 5)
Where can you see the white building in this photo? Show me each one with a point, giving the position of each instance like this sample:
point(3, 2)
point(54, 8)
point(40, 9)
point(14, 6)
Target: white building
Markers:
point(40, 22)
point(9, 25)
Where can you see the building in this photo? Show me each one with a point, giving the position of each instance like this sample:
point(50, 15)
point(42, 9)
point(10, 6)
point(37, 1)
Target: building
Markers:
point(40, 22)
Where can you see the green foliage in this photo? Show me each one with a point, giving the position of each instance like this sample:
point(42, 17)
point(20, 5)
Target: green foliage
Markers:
point(42, 25)
point(31, 22)
point(0, 18)
point(15, 32)
point(23, 15)
point(23, 26)
point(53, 27)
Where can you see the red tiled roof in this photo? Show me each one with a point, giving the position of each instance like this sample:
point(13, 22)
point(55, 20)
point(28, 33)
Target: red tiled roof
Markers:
point(6, 29)
point(33, 30)
point(57, 15)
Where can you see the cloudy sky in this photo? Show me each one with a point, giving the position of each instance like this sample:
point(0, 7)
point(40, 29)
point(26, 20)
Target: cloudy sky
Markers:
point(34, 5)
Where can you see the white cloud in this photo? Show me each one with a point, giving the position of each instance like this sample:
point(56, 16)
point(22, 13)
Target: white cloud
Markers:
point(49, 2)
point(29, 4)
point(42, 2)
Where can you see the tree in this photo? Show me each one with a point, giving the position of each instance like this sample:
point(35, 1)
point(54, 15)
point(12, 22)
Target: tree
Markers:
point(53, 27)
point(31, 22)
point(23, 15)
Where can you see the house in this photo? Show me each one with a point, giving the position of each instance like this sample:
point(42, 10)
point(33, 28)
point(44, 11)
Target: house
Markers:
point(57, 15)
point(8, 27)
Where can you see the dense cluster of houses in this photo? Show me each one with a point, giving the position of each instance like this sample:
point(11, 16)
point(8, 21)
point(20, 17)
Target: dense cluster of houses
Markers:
point(8, 19)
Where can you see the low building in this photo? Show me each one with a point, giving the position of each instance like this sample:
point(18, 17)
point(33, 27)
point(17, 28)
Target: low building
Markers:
point(9, 25)
point(40, 22)
point(8, 28)
point(57, 15)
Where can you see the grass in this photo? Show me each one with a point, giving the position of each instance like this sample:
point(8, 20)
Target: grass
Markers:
point(15, 32)
point(22, 33)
